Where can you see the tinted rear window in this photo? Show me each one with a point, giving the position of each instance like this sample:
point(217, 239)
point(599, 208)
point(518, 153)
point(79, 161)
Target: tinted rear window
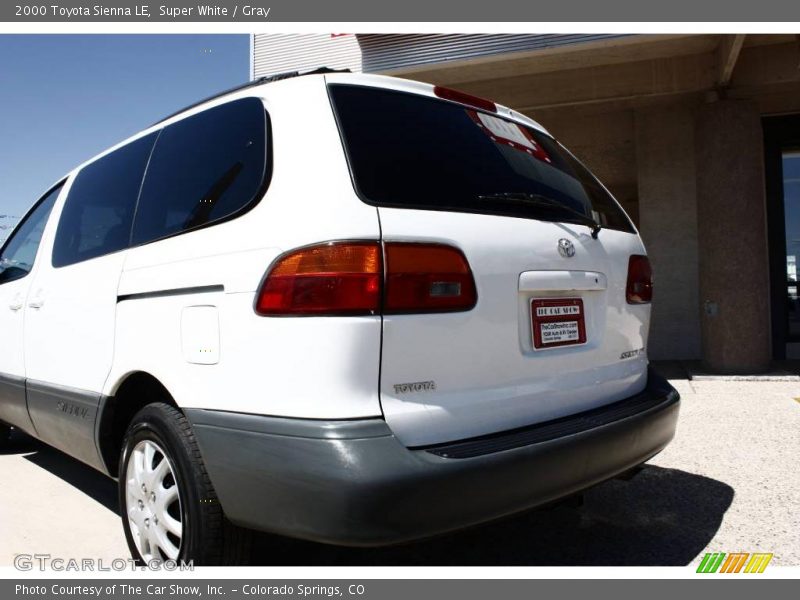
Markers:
point(412, 151)
point(204, 168)
point(98, 213)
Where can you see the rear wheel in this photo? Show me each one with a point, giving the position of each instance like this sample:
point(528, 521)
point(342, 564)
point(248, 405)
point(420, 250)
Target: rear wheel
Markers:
point(169, 508)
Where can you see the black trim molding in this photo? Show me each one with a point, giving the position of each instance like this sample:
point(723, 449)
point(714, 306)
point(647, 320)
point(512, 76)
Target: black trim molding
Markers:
point(186, 291)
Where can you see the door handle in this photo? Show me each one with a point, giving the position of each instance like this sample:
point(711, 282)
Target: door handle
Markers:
point(16, 303)
point(37, 301)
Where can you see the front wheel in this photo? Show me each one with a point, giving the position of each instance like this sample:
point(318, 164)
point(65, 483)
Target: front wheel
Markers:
point(169, 508)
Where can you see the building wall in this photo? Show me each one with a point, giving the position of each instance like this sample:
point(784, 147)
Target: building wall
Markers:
point(605, 143)
point(279, 53)
point(732, 237)
point(387, 53)
point(666, 166)
point(379, 53)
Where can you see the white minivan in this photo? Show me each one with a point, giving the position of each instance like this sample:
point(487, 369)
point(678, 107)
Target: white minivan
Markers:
point(346, 308)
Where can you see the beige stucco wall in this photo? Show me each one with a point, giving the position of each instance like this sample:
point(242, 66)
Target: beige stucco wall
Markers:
point(732, 240)
point(668, 223)
point(605, 143)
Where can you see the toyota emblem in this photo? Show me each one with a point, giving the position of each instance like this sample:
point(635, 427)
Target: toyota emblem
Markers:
point(566, 248)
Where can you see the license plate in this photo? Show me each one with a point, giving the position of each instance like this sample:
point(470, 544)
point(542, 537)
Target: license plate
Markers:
point(557, 322)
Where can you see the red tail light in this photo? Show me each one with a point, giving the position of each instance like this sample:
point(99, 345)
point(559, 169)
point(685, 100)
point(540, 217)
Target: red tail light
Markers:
point(640, 280)
point(464, 98)
point(330, 279)
point(427, 278)
point(348, 278)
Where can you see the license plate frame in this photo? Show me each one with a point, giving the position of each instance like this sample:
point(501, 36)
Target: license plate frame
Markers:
point(561, 319)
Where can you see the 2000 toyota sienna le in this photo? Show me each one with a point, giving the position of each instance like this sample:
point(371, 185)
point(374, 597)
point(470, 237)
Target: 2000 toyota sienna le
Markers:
point(346, 308)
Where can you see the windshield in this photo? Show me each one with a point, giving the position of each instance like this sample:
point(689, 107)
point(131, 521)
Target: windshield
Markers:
point(412, 151)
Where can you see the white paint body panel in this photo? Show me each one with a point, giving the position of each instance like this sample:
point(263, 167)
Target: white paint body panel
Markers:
point(13, 297)
point(488, 375)
point(562, 281)
point(70, 316)
point(324, 368)
point(14, 303)
point(200, 334)
point(69, 340)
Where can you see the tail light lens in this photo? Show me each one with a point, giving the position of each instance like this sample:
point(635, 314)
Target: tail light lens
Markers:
point(640, 280)
point(330, 279)
point(427, 278)
point(349, 278)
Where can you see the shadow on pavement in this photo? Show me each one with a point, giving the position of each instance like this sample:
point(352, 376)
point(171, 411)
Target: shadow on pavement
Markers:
point(660, 517)
point(20, 444)
point(94, 484)
point(670, 369)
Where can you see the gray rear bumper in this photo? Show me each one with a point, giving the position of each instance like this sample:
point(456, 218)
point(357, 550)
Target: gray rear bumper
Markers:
point(353, 483)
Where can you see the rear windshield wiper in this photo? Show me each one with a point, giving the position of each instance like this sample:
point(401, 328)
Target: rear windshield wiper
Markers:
point(540, 200)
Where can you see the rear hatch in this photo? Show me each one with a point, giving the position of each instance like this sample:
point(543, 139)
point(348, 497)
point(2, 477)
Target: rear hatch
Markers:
point(551, 333)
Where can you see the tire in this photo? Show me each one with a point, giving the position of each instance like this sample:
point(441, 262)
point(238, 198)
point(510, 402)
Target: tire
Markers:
point(169, 508)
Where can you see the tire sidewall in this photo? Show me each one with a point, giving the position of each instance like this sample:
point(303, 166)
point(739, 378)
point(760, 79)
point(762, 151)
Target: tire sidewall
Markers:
point(154, 424)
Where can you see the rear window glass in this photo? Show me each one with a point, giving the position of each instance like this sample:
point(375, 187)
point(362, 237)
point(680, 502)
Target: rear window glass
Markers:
point(204, 168)
point(98, 213)
point(412, 151)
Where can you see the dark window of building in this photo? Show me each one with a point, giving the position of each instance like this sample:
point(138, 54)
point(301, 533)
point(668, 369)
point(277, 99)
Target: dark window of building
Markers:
point(412, 151)
point(204, 168)
point(98, 213)
point(791, 212)
point(19, 252)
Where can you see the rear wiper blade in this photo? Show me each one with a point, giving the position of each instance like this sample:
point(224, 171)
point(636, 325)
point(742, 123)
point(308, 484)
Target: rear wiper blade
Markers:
point(540, 200)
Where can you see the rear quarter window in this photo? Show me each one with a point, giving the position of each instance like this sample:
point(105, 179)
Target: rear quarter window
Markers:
point(411, 151)
point(98, 213)
point(204, 169)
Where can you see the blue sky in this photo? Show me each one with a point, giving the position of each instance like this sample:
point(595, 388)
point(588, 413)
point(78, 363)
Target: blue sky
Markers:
point(64, 98)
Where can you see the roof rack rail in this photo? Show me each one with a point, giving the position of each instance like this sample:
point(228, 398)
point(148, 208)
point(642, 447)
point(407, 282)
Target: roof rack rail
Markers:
point(254, 83)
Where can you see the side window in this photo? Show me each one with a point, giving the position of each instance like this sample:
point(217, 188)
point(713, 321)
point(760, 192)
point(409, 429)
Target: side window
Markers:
point(98, 212)
point(19, 252)
point(204, 168)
